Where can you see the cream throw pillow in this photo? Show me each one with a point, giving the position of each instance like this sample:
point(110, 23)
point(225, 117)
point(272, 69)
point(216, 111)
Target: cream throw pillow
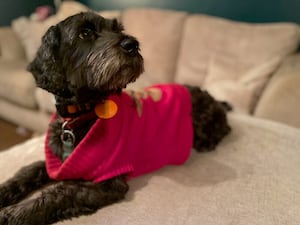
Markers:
point(31, 32)
point(233, 60)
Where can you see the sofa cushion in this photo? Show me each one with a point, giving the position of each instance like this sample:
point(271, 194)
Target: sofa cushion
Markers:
point(233, 60)
point(30, 32)
point(16, 84)
point(159, 32)
point(252, 178)
point(280, 101)
point(10, 46)
point(45, 101)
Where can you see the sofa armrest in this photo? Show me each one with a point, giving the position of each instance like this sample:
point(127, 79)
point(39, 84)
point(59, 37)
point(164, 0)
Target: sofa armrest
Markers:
point(280, 99)
point(45, 101)
point(10, 46)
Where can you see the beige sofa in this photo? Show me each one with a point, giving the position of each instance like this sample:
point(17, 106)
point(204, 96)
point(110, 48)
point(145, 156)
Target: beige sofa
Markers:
point(253, 176)
point(251, 179)
point(253, 66)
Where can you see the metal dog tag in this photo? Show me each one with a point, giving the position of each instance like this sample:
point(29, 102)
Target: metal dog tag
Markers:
point(68, 139)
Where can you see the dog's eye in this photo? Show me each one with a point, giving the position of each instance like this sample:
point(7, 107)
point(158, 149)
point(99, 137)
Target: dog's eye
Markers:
point(87, 33)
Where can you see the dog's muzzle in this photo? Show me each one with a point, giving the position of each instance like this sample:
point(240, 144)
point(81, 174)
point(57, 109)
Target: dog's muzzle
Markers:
point(129, 45)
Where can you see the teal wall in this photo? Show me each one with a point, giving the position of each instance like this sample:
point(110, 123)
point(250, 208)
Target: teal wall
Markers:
point(242, 10)
point(12, 9)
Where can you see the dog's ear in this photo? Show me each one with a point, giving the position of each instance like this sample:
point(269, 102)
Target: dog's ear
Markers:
point(46, 67)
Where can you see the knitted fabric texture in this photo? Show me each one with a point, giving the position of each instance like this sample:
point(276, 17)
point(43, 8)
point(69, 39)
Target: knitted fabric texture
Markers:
point(150, 129)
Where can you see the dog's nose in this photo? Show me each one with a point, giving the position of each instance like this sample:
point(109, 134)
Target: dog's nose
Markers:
point(129, 44)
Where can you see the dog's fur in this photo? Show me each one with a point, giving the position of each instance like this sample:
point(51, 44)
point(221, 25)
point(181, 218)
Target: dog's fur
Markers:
point(84, 59)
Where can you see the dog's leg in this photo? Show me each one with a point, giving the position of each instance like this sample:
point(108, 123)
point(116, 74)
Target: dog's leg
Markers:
point(209, 119)
point(65, 200)
point(26, 180)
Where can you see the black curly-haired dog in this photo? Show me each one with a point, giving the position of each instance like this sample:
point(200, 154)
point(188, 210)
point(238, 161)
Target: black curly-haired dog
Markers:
point(84, 60)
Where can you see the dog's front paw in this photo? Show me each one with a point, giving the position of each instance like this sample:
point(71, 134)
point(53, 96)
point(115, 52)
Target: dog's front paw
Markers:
point(18, 215)
point(7, 217)
point(3, 219)
point(7, 196)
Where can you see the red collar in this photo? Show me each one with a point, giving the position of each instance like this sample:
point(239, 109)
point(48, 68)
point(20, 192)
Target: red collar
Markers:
point(74, 115)
point(73, 123)
point(74, 110)
point(68, 137)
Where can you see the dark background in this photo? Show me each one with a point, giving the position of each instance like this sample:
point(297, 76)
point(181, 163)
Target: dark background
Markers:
point(241, 10)
point(11, 9)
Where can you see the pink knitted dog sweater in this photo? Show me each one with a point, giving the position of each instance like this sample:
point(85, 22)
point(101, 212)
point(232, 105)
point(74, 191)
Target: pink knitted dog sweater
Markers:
point(149, 130)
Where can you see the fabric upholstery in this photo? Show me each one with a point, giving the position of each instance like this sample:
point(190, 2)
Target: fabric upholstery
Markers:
point(45, 100)
point(10, 45)
point(30, 32)
point(282, 92)
point(233, 60)
point(159, 32)
point(33, 119)
point(252, 178)
point(16, 84)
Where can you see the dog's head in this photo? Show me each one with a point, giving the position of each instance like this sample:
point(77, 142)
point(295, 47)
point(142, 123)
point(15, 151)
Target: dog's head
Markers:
point(86, 52)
